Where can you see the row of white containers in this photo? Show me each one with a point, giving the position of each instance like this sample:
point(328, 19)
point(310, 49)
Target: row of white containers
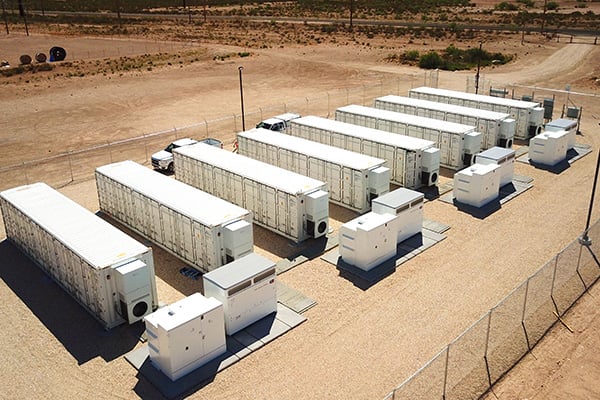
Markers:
point(413, 162)
point(529, 116)
point(201, 229)
point(105, 270)
point(498, 129)
point(458, 143)
point(290, 204)
point(353, 179)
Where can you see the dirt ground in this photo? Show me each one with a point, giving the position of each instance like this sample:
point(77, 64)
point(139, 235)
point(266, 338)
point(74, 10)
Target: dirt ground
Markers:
point(356, 343)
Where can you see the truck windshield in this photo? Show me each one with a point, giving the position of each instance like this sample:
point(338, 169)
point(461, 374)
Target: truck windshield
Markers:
point(264, 125)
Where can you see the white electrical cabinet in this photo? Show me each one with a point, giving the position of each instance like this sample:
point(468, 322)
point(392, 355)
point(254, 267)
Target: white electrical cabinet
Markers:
point(199, 228)
point(497, 129)
point(246, 287)
point(185, 335)
point(563, 124)
point(458, 143)
point(549, 148)
point(105, 270)
point(290, 204)
point(477, 185)
point(504, 158)
point(407, 205)
point(353, 179)
point(529, 115)
point(413, 162)
point(367, 241)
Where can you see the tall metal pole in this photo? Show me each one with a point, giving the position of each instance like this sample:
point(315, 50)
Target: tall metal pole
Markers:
point(4, 16)
point(351, 12)
point(240, 68)
point(478, 68)
point(585, 240)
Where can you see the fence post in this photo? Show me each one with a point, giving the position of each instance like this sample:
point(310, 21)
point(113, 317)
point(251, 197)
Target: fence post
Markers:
point(446, 372)
point(523, 315)
point(577, 269)
point(552, 288)
point(234, 123)
point(487, 341)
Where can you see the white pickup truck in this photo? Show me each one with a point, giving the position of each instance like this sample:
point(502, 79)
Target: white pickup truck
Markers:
point(163, 160)
point(278, 123)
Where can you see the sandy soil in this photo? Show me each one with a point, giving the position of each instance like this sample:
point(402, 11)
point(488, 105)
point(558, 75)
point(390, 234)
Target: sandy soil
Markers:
point(356, 343)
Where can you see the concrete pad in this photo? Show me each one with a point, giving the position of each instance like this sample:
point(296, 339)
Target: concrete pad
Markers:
point(293, 299)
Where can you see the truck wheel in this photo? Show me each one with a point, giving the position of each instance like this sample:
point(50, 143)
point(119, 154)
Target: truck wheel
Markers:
point(171, 168)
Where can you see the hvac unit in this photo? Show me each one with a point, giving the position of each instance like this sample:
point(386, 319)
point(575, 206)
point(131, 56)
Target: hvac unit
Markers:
point(407, 205)
point(472, 146)
point(185, 335)
point(536, 121)
point(379, 181)
point(367, 241)
point(477, 185)
point(507, 133)
point(504, 158)
point(135, 297)
point(572, 112)
point(317, 213)
point(548, 108)
point(247, 289)
point(430, 166)
point(549, 148)
point(237, 240)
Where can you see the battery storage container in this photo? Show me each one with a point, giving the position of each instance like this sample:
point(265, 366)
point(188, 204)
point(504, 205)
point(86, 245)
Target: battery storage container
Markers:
point(247, 289)
point(413, 162)
point(529, 115)
point(353, 179)
point(497, 129)
point(458, 143)
point(105, 270)
point(185, 335)
point(292, 205)
point(199, 228)
point(504, 158)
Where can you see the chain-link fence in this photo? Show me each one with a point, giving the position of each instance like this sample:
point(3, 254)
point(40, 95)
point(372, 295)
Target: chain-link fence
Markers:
point(79, 165)
point(478, 358)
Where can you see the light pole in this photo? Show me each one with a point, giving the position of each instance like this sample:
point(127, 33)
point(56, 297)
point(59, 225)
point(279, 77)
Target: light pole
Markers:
point(240, 68)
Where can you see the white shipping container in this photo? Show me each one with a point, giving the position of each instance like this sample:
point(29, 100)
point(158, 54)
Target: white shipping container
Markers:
point(563, 124)
point(353, 179)
point(477, 185)
point(185, 335)
point(246, 287)
point(504, 158)
point(549, 147)
point(413, 162)
point(407, 205)
point(105, 270)
point(369, 240)
point(458, 143)
point(282, 201)
point(529, 115)
point(498, 129)
point(199, 228)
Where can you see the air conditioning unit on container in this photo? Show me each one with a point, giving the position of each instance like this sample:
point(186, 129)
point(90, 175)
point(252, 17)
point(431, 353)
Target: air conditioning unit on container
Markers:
point(317, 213)
point(430, 166)
point(132, 281)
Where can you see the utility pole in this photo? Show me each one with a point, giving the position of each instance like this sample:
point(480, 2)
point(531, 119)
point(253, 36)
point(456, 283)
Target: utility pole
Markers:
point(119, 12)
point(240, 69)
point(351, 12)
point(544, 16)
point(23, 14)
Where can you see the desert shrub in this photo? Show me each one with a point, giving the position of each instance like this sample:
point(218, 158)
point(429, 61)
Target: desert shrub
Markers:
point(432, 60)
point(506, 6)
point(552, 6)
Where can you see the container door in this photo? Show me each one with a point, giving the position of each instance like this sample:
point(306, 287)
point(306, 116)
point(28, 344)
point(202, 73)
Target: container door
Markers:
point(347, 185)
point(334, 181)
point(140, 205)
point(271, 154)
point(292, 216)
point(370, 148)
point(286, 160)
point(282, 213)
point(167, 227)
point(212, 259)
point(451, 117)
point(337, 140)
point(353, 144)
point(410, 168)
point(361, 195)
point(387, 152)
point(316, 169)
point(199, 244)
point(444, 146)
point(237, 188)
point(155, 227)
point(186, 238)
point(270, 216)
point(249, 200)
point(415, 131)
point(302, 162)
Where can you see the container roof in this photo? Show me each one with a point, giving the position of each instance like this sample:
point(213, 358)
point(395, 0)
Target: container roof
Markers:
point(185, 199)
point(239, 271)
point(477, 97)
point(89, 236)
point(267, 174)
